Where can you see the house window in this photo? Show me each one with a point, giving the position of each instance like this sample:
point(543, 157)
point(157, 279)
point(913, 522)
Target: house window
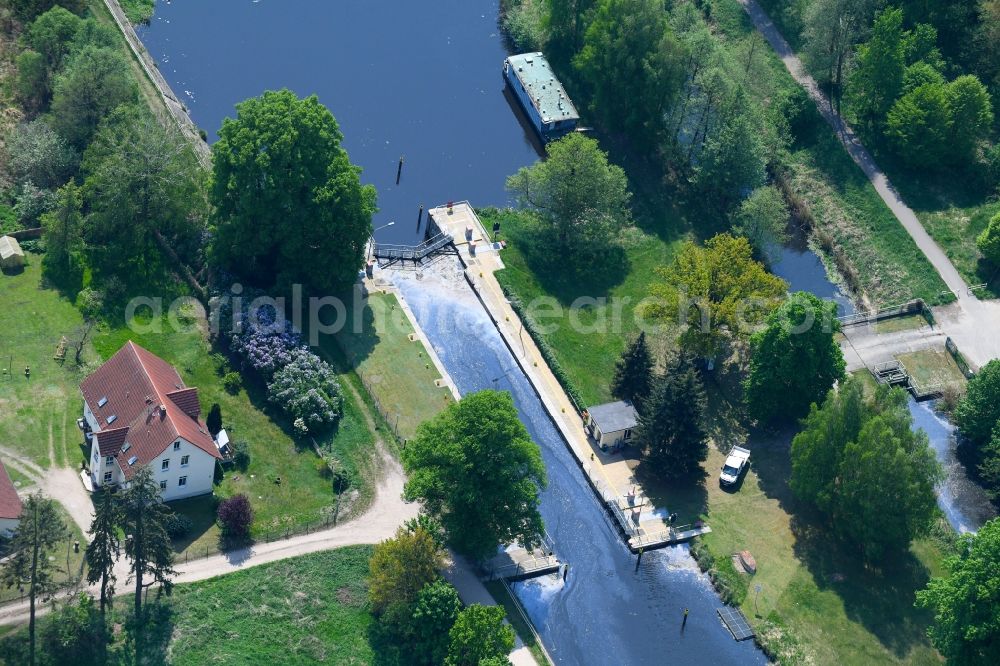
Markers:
point(109, 460)
point(184, 461)
point(627, 435)
point(107, 477)
point(177, 446)
point(165, 465)
point(163, 485)
point(183, 481)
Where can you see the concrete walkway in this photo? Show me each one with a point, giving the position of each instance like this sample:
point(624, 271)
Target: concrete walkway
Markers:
point(59, 483)
point(611, 473)
point(974, 325)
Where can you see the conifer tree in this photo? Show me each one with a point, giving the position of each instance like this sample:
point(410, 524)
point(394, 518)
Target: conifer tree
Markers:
point(634, 372)
point(40, 530)
point(102, 552)
point(671, 432)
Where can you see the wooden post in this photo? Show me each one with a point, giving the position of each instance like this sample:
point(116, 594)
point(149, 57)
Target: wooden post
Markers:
point(399, 169)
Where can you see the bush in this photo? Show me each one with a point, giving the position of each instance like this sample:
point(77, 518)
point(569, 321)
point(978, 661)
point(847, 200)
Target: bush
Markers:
point(241, 454)
point(307, 390)
point(988, 242)
point(232, 382)
point(31, 202)
point(90, 302)
point(220, 364)
point(179, 525)
point(235, 516)
point(993, 165)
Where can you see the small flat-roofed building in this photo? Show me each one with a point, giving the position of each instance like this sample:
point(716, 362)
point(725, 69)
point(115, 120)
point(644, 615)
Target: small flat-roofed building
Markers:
point(612, 423)
point(541, 95)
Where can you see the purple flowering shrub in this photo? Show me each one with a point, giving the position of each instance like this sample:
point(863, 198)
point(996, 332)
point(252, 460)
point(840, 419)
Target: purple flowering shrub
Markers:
point(303, 385)
point(307, 389)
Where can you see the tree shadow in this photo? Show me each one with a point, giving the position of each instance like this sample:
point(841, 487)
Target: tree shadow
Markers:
point(201, 512)
point(687, 497)
point(583, 269)
point(359, 333)
point(880, 600)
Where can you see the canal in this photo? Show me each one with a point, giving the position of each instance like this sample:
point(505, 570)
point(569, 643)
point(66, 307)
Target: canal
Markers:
point(606, 612)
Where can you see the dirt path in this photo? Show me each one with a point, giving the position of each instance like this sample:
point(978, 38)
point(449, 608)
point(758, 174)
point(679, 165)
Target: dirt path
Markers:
point(380, 522)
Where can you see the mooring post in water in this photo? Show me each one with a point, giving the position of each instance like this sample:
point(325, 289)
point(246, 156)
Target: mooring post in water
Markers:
point(685, 621)
point(420, 216)
point(565, 571)
point(638, 560)
point(399, 169)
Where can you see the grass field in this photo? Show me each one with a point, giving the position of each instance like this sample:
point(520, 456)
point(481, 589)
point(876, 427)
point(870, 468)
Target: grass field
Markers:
point(376, 341)
point(930, 367)
point(308, 609)
point(897, 324)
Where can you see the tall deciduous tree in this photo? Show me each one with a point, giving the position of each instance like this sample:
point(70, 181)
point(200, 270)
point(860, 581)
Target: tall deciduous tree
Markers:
point(633, 65)
point(52, 35)
point(289, 205)
point(715, 292)
point(971, 114)
point(95, 82)
point(401, 567)
point(734, 158)
point(29, 565)
point(576, 191)
point(988, 241)
point(63, 227)
point(633, 377)
point(27, 10)
point(147, 543)
point(37, 154)
point(919, 125)
point(979, 411)
point(859, 461)
point(762, 219)
point(567, 24)
point(102, 551)
point(831, 29)
point(143, 185)
point(432, 616)
point(966, 602)
point(479, 634)
point(795, 361)
point(32, 80)
point(878, 79)
point(671, 432)
point(477, 471)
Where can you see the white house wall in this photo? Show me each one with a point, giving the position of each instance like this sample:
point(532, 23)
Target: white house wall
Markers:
point(200, 471)
point(8, 525)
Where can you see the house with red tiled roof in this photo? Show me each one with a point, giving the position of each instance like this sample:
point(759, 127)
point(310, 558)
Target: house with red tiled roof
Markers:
point(10, 504)
point(138, 412)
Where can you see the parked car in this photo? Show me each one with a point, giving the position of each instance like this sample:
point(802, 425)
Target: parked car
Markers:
point(737, 460)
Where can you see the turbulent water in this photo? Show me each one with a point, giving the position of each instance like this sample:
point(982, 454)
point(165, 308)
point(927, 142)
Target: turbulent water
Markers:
point(965, 504)
point(605, 612)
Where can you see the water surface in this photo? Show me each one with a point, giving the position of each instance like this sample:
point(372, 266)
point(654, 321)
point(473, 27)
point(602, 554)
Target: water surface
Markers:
point(417, 79)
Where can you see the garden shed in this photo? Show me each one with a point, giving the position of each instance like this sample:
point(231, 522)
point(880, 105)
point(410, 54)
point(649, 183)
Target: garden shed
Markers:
point(11, 254)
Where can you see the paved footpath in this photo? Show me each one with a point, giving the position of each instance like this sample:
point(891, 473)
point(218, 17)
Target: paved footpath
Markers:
point(974, 325)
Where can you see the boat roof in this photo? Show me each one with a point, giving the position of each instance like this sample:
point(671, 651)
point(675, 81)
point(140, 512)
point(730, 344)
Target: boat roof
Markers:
point(547, 93)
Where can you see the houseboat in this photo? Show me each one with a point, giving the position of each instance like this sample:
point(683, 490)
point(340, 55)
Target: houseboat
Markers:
point(541, 95)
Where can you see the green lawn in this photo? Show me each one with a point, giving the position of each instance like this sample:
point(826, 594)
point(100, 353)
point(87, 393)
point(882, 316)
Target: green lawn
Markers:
point(897, 324)
point(38, 415)
point(931, 367)
point(378, 343)
point(308, 609)
point(587, 339)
